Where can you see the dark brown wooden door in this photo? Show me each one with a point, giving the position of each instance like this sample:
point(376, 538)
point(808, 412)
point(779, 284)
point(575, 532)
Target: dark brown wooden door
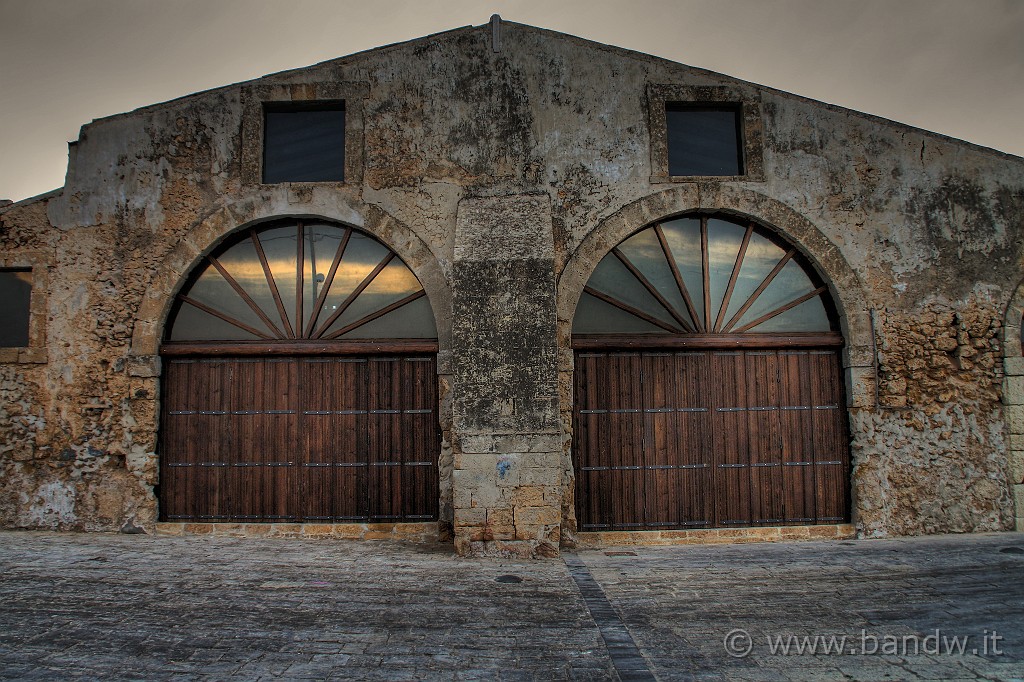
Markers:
point(709, 439)
point(293, 439)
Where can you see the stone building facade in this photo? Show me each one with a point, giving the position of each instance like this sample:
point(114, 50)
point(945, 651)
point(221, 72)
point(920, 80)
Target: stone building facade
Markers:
point(501, 164)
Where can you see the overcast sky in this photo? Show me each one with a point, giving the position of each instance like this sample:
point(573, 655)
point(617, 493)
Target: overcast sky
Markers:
point(952, 66)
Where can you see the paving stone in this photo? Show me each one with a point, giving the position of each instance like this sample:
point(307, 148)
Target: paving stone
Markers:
point(170, 608)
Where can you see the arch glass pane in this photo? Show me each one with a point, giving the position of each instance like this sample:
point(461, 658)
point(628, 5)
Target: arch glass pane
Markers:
point(683, 237)
point(213, 290)
point(644, 251)
point(761, 257)
point(391, 285)
point(809, 316)
point(357, 284)
point(725, 238)
point(193, 324)
point(791, 283)
point(412, 321)
point(594, 316)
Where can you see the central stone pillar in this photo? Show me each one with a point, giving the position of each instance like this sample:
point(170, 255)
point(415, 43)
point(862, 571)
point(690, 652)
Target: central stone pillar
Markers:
point(506, 442)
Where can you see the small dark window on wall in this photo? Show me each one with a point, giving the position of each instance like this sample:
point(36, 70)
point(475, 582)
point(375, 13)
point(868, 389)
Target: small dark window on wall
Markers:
point(304, 143)
point(15, 296)
point(703, 139)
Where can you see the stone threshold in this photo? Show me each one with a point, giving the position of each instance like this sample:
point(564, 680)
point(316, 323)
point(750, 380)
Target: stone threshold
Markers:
point(712, 536)
point(406, 532)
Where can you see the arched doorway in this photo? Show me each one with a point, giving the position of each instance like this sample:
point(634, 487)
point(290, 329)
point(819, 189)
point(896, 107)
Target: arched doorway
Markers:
point(708, 386)
point(300, 383)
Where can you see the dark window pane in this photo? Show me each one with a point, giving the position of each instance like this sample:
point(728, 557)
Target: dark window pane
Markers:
point(15, 295)
point(304, 145)
point(703, 141)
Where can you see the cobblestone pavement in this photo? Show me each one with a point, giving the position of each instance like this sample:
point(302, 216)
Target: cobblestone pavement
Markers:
point(141, 607)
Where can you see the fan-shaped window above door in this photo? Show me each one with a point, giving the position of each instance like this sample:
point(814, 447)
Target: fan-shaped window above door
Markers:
point(298, 281)
point(705, 278)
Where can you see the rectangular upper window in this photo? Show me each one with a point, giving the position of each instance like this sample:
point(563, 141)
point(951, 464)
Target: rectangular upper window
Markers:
point(704, 139)
point(15, 299)
point(304, 142)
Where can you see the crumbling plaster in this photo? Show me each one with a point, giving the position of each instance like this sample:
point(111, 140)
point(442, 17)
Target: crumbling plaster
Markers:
point(919, 236)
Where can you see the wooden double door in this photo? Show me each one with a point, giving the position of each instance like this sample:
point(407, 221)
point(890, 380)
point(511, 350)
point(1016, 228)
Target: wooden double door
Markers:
point(299, 439)
point(704, 439)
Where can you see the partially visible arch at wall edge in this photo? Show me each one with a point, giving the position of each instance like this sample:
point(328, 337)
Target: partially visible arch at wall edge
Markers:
point(1013, 398)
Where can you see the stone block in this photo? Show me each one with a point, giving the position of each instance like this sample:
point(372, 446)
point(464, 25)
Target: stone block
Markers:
point(1016, 441)
point(1015, 389)
point(144, 366)
point(822, 532)
point(1015, 419)
point(537, 516)
point(36, 356)
point(499, 525)
point(285, 530)
point(1014, 367)
point(1017, 466)
point(470, 517)
point(1018, 499)
point(550, 476)
point(794, 533)
point(861, 386)
point(528, 496)
point(317, 530)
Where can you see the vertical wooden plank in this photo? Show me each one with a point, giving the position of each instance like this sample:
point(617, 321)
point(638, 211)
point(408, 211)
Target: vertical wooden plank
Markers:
point(830, 443)
point(732, 457)
point(658, 452)
point(695, 475)
point(798, 456)
point(762, 379)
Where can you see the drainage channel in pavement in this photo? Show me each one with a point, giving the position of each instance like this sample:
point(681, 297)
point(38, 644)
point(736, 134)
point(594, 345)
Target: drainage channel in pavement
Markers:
point(625, 656)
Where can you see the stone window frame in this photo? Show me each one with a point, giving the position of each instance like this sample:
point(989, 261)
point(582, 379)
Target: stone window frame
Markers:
point(35, 352)
point(254, 99)
point(751, 128)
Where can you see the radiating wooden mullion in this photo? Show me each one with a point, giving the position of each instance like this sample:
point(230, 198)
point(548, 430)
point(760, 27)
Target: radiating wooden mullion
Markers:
point(351, 297)
point(760, 288)
point(318, 306)
point(732, 278)
point(380, 313)
point(705, 266)
point(778, 311)
point(224, 316)
point(273, 285)
point(300, 262)
point(679, 278)
point(245, 296)
point(631, 310)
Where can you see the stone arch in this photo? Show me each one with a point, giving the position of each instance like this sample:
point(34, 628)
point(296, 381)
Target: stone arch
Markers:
point(214, 228)
point(844, 286)
point(1013, 398)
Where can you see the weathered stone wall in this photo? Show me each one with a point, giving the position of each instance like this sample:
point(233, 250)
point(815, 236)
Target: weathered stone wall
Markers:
point(932, 457)
point(501, 178)
point(507, 475)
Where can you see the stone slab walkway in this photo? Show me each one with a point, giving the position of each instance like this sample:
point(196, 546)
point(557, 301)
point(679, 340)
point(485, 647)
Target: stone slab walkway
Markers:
point(87, 606)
